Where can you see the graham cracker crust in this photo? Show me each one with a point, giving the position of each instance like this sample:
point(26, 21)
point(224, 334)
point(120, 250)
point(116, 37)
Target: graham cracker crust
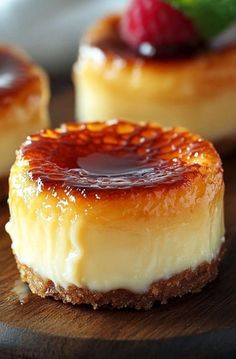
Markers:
point(188, 281)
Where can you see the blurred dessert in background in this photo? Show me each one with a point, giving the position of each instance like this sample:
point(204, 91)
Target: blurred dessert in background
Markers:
point(24, 95)
point(47, 19)
point(116, 213)
point(155, 62)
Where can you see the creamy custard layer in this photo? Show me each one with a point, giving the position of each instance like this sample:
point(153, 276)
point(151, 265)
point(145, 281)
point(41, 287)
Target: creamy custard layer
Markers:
point(213, 117)
point(115, 243)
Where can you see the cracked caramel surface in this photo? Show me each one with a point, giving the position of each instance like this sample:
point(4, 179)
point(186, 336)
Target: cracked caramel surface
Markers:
point(117, 155)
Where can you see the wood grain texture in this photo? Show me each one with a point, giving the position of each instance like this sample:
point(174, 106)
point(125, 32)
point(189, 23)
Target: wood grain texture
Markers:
point(197, 326)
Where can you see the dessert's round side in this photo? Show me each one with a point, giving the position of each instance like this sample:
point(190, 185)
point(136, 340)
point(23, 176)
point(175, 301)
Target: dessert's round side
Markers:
point(116, 213)
point(196, 91)
point(24, 95)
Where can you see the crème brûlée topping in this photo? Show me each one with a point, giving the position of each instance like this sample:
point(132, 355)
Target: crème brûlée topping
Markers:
point(104, 211)
point(24, 94)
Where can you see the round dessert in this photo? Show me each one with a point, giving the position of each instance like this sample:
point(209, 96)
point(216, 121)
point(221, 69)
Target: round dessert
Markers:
point(24, 94)
point(189, 83)
point(116, 213)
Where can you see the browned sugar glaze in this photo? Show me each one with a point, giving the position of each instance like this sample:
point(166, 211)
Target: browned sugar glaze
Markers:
point(16, 74)
point(112, 155)
point(110, 41)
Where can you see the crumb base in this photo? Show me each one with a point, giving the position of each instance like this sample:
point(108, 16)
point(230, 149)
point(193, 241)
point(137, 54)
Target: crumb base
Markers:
point(188, 281)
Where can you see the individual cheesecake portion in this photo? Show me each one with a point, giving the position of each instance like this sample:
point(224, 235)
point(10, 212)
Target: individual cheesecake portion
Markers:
point(24, 94)
point(116, 213)
point(193, 88)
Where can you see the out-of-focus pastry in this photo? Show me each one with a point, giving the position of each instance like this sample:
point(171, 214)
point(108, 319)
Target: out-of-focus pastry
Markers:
point(24, 94)
point(153, 62)
point(116, 213)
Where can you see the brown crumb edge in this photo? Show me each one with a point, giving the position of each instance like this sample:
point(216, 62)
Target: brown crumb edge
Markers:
point(188, 281)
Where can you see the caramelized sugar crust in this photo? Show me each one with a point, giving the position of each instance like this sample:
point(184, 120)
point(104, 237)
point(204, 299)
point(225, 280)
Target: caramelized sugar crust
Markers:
point(115, 155)
point(203, 66)
point(18, 77)
point(107, 37)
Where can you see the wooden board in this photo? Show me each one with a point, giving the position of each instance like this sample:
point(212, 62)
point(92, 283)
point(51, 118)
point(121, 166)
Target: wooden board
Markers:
point(197, 326)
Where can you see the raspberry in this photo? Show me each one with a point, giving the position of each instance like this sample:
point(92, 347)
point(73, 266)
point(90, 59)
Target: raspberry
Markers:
point(157, 23)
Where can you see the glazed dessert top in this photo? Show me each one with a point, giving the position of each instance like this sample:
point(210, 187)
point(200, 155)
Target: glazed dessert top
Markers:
point(105, 35)
point(17, 75)
point(116, 155)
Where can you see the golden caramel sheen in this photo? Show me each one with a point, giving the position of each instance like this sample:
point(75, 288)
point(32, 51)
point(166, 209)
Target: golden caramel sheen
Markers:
point(197, 92)
point(150, 211)
point(116, 155)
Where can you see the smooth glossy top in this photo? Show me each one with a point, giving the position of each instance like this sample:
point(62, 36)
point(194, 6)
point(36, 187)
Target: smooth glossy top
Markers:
point(114, 155)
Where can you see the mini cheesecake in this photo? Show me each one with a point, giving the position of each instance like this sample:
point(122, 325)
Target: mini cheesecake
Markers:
point(193, 89)
point(116, 213)
point(24, 94)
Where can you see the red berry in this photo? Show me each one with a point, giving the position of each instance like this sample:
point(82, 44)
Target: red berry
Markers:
point(157, 23)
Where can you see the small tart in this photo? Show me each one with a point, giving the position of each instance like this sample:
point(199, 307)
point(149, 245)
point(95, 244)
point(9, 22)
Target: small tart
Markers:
point(116, 213)
point(24, 94)
point(195, 90)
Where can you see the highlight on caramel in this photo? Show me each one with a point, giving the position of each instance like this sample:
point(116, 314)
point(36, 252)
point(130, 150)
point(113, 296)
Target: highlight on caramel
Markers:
point(114, 155)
